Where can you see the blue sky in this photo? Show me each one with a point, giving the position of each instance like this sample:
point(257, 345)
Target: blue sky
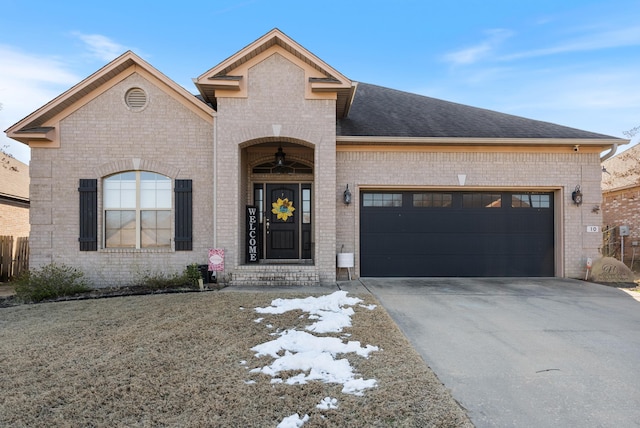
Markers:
point(571, 62)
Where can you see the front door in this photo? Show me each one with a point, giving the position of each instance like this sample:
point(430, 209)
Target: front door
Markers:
point(282, 221)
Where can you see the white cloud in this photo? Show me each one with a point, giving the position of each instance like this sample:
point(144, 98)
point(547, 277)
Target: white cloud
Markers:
point(594, 40)
point(101, 47)
point(28, 81)
point(480, 51)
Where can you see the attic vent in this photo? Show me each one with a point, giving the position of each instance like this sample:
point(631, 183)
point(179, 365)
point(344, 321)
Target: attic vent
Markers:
point(136, 98)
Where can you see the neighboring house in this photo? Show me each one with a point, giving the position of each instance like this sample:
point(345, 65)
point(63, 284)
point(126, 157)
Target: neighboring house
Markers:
point(14, 198)
point(131, 172)
point(621, 205)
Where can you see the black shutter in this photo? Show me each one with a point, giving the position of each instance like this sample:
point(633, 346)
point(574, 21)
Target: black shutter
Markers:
point(184, 215)
point(88, 191)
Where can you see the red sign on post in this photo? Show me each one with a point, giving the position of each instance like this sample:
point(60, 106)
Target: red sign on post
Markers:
point(216, 259)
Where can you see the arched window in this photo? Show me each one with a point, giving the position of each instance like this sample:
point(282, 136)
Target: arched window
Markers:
point(289, 167)
point(137, 210)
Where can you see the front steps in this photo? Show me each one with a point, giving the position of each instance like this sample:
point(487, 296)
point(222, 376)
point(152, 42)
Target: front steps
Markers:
point(293, 274)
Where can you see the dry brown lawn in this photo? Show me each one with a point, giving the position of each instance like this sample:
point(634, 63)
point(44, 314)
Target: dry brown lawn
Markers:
point(175, 360)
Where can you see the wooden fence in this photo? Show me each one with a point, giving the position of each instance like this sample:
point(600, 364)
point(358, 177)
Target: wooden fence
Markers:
point(13, 260)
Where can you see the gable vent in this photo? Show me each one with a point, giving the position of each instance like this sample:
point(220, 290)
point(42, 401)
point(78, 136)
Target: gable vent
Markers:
point(136, 98)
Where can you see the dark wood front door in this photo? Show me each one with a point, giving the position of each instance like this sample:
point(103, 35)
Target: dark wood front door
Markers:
point(282, 218)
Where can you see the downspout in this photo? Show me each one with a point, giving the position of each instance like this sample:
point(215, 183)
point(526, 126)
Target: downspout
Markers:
point(612, 152)
point(215, 181)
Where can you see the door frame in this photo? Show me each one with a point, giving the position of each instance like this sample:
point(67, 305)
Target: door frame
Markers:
point(304, 214)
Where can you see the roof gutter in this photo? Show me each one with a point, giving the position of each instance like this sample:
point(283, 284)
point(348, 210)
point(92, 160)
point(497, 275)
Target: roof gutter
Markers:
point(612, 152)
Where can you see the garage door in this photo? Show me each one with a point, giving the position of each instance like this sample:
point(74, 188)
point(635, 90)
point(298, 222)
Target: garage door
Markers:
point(456, 234)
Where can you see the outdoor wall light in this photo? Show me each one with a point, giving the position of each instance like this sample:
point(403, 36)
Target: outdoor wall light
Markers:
point(280, 155)
point(576, 195)
point(347, 196)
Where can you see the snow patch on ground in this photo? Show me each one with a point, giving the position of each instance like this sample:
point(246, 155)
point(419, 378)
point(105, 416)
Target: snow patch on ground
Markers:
point(314, 357)
point(293, 421)
point(328, 403)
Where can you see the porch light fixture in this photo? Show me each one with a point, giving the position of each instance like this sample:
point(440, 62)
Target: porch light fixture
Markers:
point(280, 155)
point(576, 195)
point(347, 196)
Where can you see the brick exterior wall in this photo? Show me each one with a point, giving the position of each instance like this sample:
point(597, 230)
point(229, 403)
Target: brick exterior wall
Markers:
point(621, 207)
point(14, 184)
point(14, 220)
point(104, 137)
point(275, 110)
point(560, 172)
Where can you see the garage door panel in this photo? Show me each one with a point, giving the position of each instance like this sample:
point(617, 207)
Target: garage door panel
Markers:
point(410, 243)
point(481, 239)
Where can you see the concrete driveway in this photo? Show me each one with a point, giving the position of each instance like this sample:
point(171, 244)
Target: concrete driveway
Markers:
point(525, 352)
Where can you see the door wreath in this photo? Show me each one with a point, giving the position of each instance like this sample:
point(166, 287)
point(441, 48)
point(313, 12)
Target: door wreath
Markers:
point(283, 208)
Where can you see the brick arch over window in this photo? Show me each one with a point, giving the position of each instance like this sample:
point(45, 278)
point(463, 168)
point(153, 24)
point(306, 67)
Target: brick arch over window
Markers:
point(263, 140)
point(137, 164)
point(300, 155)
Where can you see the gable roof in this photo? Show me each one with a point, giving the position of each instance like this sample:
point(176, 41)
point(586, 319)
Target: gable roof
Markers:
point(40, 125)
point(382, 112)
point(231, 74)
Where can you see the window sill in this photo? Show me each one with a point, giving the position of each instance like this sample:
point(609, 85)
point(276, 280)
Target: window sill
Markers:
point(137, 250)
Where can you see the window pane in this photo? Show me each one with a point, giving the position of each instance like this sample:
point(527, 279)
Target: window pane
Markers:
point(382, 200)
point(111, 198)
point(128, 198)
point(120, 229)
point(432, 200)
point(481, 200)
point(148, 219)
point(147, 198)
point(155, 190)
point(531, 200)
point(148, 238)
point(120, 191)
point(163, 199)
point(155, 228)
point(306, 206)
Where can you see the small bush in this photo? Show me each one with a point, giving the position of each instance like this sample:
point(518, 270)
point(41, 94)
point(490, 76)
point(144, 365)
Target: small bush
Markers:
point(48, 282)
point(162, 281)
point(192, 274)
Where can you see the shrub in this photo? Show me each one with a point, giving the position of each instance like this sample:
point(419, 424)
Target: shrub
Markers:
point(50, 281)
point(192, 274)
point(162, 281)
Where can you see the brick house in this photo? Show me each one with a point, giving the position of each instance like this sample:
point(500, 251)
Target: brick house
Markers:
point(282, 162)
point(621, 205)
point(14, 198)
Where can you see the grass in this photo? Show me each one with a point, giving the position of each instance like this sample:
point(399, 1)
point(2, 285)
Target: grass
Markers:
point(174, 360)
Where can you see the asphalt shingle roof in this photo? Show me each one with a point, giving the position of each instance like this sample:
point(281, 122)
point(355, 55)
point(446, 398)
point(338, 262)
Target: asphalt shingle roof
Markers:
point(14, 178)
point(380, 111)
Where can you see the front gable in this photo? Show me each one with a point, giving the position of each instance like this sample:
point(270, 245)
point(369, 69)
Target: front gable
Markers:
point(230, 78)
point(42, 128)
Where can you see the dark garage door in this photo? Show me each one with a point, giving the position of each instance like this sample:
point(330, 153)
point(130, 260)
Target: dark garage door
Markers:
point(456, 234)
